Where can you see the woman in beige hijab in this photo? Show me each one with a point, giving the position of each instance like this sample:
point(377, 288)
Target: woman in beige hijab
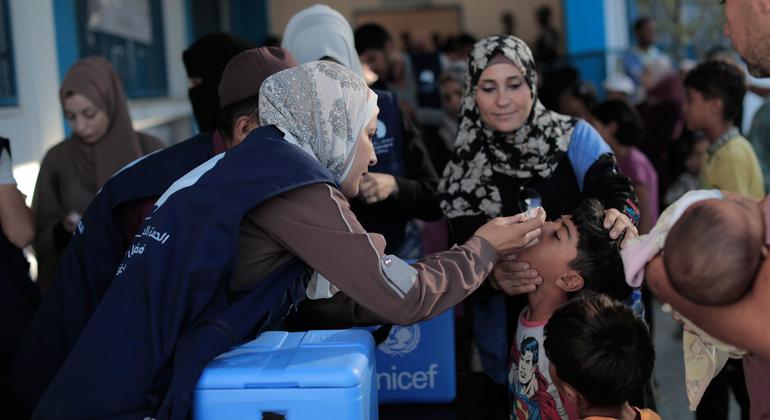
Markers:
point(102, 141)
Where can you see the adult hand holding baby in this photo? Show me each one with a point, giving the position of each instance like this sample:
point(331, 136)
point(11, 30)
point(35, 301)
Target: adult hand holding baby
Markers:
point(742, 324)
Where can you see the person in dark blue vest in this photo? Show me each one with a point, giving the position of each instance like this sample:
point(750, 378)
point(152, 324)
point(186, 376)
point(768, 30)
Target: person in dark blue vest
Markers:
point(205, 61)
point(19, 297)
point(115, 215)
point(233, 245)
point(402, 185)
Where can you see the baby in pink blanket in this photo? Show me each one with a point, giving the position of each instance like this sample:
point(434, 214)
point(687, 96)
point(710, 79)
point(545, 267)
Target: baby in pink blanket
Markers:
point(712, 242)
point(713, 251)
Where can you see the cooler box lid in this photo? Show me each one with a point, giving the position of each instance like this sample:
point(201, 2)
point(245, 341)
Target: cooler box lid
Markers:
point(277, 359)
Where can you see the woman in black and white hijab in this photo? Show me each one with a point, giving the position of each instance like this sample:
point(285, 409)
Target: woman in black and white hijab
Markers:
point(512, 153)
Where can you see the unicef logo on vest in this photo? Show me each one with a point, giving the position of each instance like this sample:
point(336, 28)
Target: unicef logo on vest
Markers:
point(401, 340)
point(382, 129)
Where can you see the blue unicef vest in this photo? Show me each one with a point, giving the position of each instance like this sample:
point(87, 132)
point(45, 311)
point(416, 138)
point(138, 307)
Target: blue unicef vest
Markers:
point(89, 262)
point(388, 141)
point(170, 309)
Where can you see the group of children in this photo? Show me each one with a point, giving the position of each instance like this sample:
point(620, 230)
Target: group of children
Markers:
point(581, 353)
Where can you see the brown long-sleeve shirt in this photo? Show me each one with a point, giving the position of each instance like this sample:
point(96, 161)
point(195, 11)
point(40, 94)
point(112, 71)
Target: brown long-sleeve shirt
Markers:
point(315, 224)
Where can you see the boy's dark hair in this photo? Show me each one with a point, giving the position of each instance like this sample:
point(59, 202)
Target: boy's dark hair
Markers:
point(640, 22)
point(719, 80)
point(600, 348)
point(371, 36)
point(248, 107)
point(630, 128)
point(598, 257)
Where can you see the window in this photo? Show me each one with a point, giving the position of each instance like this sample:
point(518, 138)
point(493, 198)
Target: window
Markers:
point(129, 33)
point(7, 77)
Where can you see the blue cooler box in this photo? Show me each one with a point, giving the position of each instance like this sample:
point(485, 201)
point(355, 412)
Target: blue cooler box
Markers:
point(416, 363)
point(297, 376)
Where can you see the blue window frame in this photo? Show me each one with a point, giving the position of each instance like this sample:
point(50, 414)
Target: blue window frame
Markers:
point(140, 64)
point(8, 95)
point(246, 19)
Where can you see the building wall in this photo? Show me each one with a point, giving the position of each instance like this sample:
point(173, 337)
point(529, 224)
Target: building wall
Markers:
point(37, 123)
point(43, 51)
point(479, 17)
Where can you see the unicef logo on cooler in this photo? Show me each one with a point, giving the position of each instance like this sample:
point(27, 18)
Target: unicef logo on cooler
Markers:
point(401, 340)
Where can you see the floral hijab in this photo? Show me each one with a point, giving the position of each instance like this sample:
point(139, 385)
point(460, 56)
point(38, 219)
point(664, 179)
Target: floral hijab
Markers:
point(532, 151)
point(322, 106)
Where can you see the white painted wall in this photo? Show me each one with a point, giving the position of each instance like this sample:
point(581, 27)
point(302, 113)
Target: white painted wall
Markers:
point(616, 33)
point(36, 123)
point(480, 17)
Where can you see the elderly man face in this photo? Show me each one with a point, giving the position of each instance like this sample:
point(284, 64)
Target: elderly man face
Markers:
point(747, 26)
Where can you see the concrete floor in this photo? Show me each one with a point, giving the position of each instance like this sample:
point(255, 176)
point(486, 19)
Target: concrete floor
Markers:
point(669, 371)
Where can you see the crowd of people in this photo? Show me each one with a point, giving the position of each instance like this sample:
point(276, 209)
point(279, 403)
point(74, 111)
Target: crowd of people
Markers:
point(324, 164)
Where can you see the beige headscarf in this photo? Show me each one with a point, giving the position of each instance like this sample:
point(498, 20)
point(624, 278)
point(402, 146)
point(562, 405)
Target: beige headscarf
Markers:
point(322, 106)
point(94, 78)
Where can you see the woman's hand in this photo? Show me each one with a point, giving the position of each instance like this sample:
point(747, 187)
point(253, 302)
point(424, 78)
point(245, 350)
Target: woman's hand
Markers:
point(515, 277)
point(70, 221)
point(619, 224)
point(377, 187)
point(509, 235)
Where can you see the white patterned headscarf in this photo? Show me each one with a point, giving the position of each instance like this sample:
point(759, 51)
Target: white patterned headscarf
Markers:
point(320, 31)
point(323, 107)
point(530, 152)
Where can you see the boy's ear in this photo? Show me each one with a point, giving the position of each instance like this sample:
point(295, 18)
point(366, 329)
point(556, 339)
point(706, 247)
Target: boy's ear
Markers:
point(571, 393)
point(242, 127)
point(764, 251)
point(570, 281)
point(715, 106)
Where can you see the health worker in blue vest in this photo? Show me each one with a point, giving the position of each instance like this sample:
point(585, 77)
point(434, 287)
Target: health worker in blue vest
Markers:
point(116, 214)
point(232, 246)
point(402, 186)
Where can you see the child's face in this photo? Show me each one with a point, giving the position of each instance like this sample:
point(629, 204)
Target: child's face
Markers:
point(694, 161)
point(555, 250)
point(697, 110)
